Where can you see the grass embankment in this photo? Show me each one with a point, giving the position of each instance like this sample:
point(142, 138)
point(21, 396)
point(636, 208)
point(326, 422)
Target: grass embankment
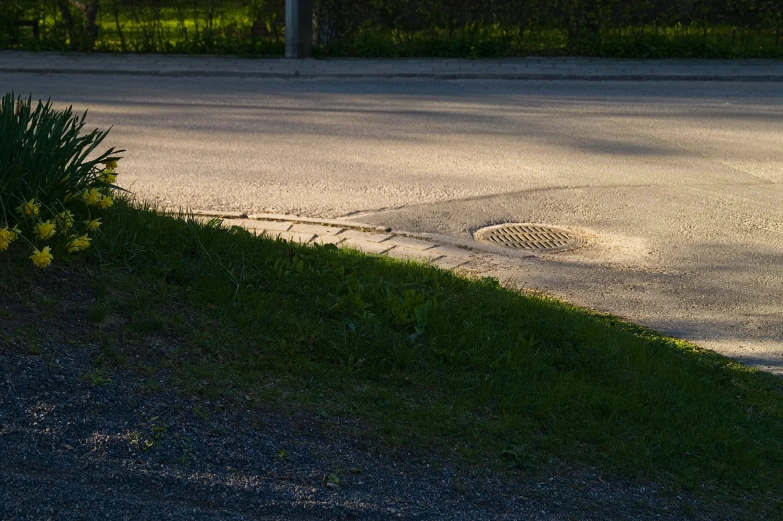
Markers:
point(423, 357)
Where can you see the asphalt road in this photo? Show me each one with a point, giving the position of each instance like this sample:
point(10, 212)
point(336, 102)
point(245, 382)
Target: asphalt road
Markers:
point(677, 186)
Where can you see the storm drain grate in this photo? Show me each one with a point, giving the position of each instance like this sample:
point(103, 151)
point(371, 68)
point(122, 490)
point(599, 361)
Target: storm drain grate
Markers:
point(530, 237)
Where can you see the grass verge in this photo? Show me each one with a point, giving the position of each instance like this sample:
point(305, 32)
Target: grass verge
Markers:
point(423, 357)
point(239, 31)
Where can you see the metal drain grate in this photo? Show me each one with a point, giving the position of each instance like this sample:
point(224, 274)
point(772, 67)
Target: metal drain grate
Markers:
point(530, 237)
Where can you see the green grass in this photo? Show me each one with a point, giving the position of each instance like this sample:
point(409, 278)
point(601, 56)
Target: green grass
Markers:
point(168, 30)
point(172, 30)
point(423, 358)
point(229, 30)
point(494, 41)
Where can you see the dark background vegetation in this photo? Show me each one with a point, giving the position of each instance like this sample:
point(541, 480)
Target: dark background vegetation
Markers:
point(405, 28)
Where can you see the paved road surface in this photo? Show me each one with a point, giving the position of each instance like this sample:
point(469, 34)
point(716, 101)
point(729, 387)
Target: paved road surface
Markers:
point(676, 185)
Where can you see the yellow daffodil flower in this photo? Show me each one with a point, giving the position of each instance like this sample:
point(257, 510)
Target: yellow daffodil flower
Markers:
point(91, 197)
point(93, 225)
point(65, 218)
point(45, 230)
point(28, 209)
point(110, 165)
point(42, 258)
point(108, 177)
point(5, 238)
point(106, 201)
point(79, 244)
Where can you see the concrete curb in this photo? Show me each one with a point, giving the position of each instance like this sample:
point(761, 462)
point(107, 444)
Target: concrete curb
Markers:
point(597, 76)
point(355, 225)
point(464, 244)
point(522, 68)
point(157, 73)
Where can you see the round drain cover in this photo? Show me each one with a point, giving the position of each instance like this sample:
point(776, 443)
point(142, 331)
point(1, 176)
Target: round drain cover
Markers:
point(531, 237)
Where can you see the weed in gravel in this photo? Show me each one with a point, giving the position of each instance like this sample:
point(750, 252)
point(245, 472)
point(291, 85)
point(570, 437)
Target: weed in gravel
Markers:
point(202, 412)
point(110, 356)
point(157, 429)
point(188, 455)
point(137, 441)
point(97, 377)
point(150, 386)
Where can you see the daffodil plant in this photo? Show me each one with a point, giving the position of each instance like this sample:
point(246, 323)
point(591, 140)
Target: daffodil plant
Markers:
point(51, 194)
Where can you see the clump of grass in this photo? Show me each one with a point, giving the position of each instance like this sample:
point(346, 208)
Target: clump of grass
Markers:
point(97, 377)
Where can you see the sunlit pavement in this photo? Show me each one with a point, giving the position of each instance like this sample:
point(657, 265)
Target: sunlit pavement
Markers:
point(674, 186)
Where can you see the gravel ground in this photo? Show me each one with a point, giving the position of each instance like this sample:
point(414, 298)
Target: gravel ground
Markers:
point(72, 449)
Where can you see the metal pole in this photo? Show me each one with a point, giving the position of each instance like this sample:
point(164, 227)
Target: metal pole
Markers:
point(298, 28)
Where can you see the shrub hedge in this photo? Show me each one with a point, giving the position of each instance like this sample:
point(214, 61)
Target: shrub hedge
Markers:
point(638, 28)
